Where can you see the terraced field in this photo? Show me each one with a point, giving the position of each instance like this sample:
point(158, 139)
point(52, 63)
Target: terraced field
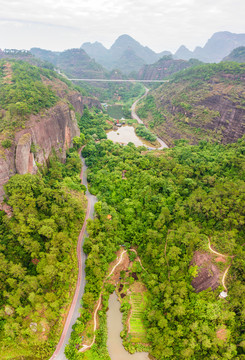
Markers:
point(136, 325)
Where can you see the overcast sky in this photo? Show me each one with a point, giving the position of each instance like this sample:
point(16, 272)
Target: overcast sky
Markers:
point(159, 24)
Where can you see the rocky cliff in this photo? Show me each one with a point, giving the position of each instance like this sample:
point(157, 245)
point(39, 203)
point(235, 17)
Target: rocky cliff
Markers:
point(164, 67)
point(53, 129)
point(36, 135)
point(202, 103)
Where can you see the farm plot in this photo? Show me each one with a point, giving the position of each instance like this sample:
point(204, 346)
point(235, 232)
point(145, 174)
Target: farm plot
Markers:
point(136, 324)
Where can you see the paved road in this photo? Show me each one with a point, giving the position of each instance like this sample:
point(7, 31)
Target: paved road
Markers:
point(136, 117)
point(75, 307)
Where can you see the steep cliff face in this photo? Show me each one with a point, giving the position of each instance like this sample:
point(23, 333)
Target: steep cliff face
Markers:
point(164, 67)
point(54, 129)
point(35, 136)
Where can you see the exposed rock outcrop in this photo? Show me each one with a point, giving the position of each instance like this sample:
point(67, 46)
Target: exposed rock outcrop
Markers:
point(208, 274)
point(204, 103)
point(164, 67)
point(23, 154)
point(49, 128)
point(52, 129)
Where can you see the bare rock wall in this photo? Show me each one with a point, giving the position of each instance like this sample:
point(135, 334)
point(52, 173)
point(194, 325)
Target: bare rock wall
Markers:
point(53, 129)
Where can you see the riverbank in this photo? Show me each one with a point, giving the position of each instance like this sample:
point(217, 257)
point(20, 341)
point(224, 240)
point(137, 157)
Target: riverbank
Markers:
point(121, 264)
point(136, 117)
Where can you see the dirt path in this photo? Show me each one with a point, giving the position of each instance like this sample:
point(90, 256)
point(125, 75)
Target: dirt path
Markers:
point(138, 259)
point(227, 269)
point(86, 347)
point(119, 261)
point(8, 72)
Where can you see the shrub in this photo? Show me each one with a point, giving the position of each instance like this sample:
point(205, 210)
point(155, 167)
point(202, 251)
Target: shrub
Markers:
point(6, 143)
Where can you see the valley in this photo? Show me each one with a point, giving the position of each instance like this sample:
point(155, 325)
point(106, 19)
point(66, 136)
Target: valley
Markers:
point(148, 224)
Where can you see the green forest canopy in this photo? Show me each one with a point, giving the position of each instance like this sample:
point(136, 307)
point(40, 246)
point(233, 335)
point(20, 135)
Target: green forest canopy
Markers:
point(168, 206)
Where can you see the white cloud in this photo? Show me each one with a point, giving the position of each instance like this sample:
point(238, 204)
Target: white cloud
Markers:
point(160, 24)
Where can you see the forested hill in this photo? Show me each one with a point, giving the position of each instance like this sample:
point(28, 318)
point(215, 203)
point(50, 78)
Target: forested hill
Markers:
point(26, 56)
point(168, 205)
point(75, 63)
point(237, 55)
point(201, 103)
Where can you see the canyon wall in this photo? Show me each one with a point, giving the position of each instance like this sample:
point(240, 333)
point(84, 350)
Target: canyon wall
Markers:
point(51, 129)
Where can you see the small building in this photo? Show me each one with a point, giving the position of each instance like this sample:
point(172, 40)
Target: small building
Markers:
point(223, 294)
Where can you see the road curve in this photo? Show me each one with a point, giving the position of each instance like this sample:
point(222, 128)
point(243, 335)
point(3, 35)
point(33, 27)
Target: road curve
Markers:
point(136, 117)
point(74, 311)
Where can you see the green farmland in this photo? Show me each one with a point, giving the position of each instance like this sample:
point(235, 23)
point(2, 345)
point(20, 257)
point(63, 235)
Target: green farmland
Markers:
point(137, 329)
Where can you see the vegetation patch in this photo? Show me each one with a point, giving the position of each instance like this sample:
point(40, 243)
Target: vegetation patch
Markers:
point(167, 207)
point(93, 124)
point(38, 257)
point(115, 111)
point(136, 321)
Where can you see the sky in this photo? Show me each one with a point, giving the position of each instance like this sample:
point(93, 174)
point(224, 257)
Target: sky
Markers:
point(158, 24)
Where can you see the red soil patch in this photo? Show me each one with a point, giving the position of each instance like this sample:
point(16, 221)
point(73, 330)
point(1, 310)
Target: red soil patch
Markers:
point(7, 209)
point(220, 259)
point(221, 334)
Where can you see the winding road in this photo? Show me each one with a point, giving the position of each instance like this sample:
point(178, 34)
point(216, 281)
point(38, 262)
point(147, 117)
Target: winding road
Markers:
point(74, 311)
point(136, 117)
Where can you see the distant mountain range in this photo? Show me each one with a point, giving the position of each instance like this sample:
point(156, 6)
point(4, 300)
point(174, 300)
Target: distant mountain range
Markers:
point(129, 58)
point(129, 55)
point(216, 48)
point(124, 50)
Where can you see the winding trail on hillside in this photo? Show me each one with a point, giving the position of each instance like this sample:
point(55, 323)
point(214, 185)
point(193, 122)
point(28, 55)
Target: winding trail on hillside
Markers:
point(136, 117)
point(74, 311)
point(228, 267)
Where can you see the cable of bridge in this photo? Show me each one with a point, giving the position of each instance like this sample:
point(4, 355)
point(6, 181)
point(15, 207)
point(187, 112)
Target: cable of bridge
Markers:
point(119, 80)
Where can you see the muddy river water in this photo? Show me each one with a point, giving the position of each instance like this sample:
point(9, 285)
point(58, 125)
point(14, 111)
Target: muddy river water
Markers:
point(114, 342)
point(126, 134)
